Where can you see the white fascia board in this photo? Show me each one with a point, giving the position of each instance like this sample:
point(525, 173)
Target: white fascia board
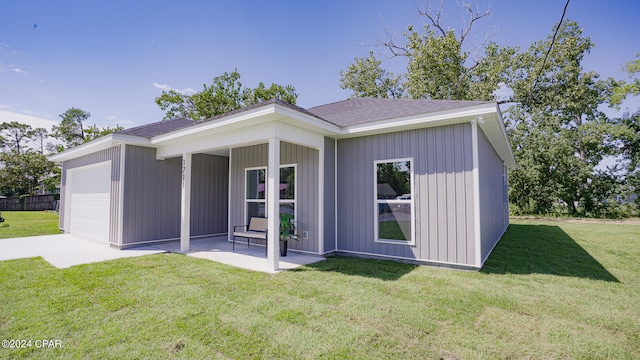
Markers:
point(98, 144)
point(448, 117)
point(295, 135)
point(212, 126)
point(220, 140)
point(254, 117)
point(309, 122)
point(496, 133)
point(248, 135)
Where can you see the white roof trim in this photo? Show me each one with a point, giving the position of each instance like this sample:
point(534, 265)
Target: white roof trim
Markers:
point(276, 113)
point(98, 144)
point(446, 117)
point(261, 114)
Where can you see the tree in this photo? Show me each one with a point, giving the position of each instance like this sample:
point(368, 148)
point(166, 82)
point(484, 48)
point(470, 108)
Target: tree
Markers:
point(38, 136)
point(439, 64)
point(225, 94)
point(632, 88)
point(23, 173)
point(73, 130)
point(629, 128)
point(93, 132)
point(366, 78)
point(557, 129)
point(15, 135)
point(555, 123)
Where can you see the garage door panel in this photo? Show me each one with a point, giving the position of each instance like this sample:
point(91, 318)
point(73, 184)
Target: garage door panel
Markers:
point(90, 216)
point(90, 202)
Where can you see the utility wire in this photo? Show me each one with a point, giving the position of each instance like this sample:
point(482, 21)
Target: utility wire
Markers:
point(553, 40)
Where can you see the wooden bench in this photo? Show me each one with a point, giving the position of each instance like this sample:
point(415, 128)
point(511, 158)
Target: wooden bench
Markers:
point(257, 229)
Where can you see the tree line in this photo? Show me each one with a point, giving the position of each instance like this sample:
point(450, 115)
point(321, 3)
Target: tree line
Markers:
point(24, 166)
point(554, 109)
point(555, 112)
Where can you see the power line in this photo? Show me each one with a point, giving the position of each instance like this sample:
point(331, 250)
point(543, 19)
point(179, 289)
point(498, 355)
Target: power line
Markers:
point(553, 40)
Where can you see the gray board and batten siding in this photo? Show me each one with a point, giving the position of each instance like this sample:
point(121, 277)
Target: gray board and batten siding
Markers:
point(111, 154)
point(443, 186)
point(494, 203)
point(152, 196)
point(307, 184)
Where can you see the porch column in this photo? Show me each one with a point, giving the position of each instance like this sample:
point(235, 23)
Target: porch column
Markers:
point(185, 204)
point(273, 208)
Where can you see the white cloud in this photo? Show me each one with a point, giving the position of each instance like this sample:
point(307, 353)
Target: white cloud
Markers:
point(9, 115)
point(19, 71)
point(118, 121)
point(165, 87)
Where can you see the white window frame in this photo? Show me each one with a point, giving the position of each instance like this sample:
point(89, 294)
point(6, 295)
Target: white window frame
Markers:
point(280, 201)
point(376, 202)
point(295, 192)
point(247, 200)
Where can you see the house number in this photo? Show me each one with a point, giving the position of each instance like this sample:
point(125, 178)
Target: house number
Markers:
point(184, 170)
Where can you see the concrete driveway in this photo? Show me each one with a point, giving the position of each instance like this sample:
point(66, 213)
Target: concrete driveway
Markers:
point(65, 250)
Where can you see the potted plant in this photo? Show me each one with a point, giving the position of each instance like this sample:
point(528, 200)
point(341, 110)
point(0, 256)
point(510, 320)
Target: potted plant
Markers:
point(287, 229)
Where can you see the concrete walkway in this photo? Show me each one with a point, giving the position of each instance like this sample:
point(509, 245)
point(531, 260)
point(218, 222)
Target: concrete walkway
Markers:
point(66, 250)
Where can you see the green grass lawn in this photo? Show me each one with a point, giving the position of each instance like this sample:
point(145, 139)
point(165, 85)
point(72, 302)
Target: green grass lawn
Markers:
point(550, 290)
point(28, 223)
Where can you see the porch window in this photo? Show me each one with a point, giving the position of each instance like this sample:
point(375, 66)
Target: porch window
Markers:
point(255, 193)
point(394, 211)
point(288, 190)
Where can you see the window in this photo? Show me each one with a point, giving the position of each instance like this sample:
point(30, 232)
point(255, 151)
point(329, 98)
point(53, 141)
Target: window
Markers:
point(255, 194)
point(255, 191)
point(394, 210)
point(288, 190)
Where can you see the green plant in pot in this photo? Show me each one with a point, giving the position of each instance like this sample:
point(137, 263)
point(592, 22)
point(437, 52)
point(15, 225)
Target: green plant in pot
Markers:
point(287, 232)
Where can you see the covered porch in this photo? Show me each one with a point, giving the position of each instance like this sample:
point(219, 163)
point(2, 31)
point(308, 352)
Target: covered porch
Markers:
point(256, 141)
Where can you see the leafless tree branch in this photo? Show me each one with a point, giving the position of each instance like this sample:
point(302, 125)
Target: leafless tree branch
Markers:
point(434, 20)
point(392, 45)
point(474, 15)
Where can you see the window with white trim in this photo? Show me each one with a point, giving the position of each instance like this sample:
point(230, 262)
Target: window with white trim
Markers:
point(255, 193)
point(394, 211)
point(256, 196)
point(288, 190)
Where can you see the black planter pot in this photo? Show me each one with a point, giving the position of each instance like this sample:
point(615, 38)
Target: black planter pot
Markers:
point(283, 248)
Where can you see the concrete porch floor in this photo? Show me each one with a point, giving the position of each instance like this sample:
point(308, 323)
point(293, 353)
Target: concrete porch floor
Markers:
point(219, 249)
point(65, 250)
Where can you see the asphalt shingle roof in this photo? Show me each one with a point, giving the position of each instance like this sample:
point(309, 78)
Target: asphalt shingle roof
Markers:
point(157, 128)
point(367, 110)
point(342, 113)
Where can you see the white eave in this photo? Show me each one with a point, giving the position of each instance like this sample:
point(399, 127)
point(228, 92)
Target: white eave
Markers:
point(440, 118)
point(253, 117)
point(101, 143)
point(492, 127)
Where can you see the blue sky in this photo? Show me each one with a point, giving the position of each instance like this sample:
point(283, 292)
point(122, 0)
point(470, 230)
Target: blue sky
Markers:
point(113, 58)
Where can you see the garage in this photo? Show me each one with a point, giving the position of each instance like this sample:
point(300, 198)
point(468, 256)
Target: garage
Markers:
point(88, 198)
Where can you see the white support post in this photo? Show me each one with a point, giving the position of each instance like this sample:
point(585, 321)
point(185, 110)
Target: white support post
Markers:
point(476, 190)
point(185, 207)
point(321, 200)
point(273, 208)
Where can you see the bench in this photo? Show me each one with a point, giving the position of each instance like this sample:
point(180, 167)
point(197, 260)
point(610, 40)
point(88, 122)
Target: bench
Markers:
point(257, 229)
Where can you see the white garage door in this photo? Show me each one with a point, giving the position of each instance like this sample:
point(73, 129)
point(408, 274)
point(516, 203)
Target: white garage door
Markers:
point(89, 199)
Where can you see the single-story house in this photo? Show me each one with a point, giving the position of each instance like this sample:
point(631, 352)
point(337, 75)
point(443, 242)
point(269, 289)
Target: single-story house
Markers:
point(418, 180)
